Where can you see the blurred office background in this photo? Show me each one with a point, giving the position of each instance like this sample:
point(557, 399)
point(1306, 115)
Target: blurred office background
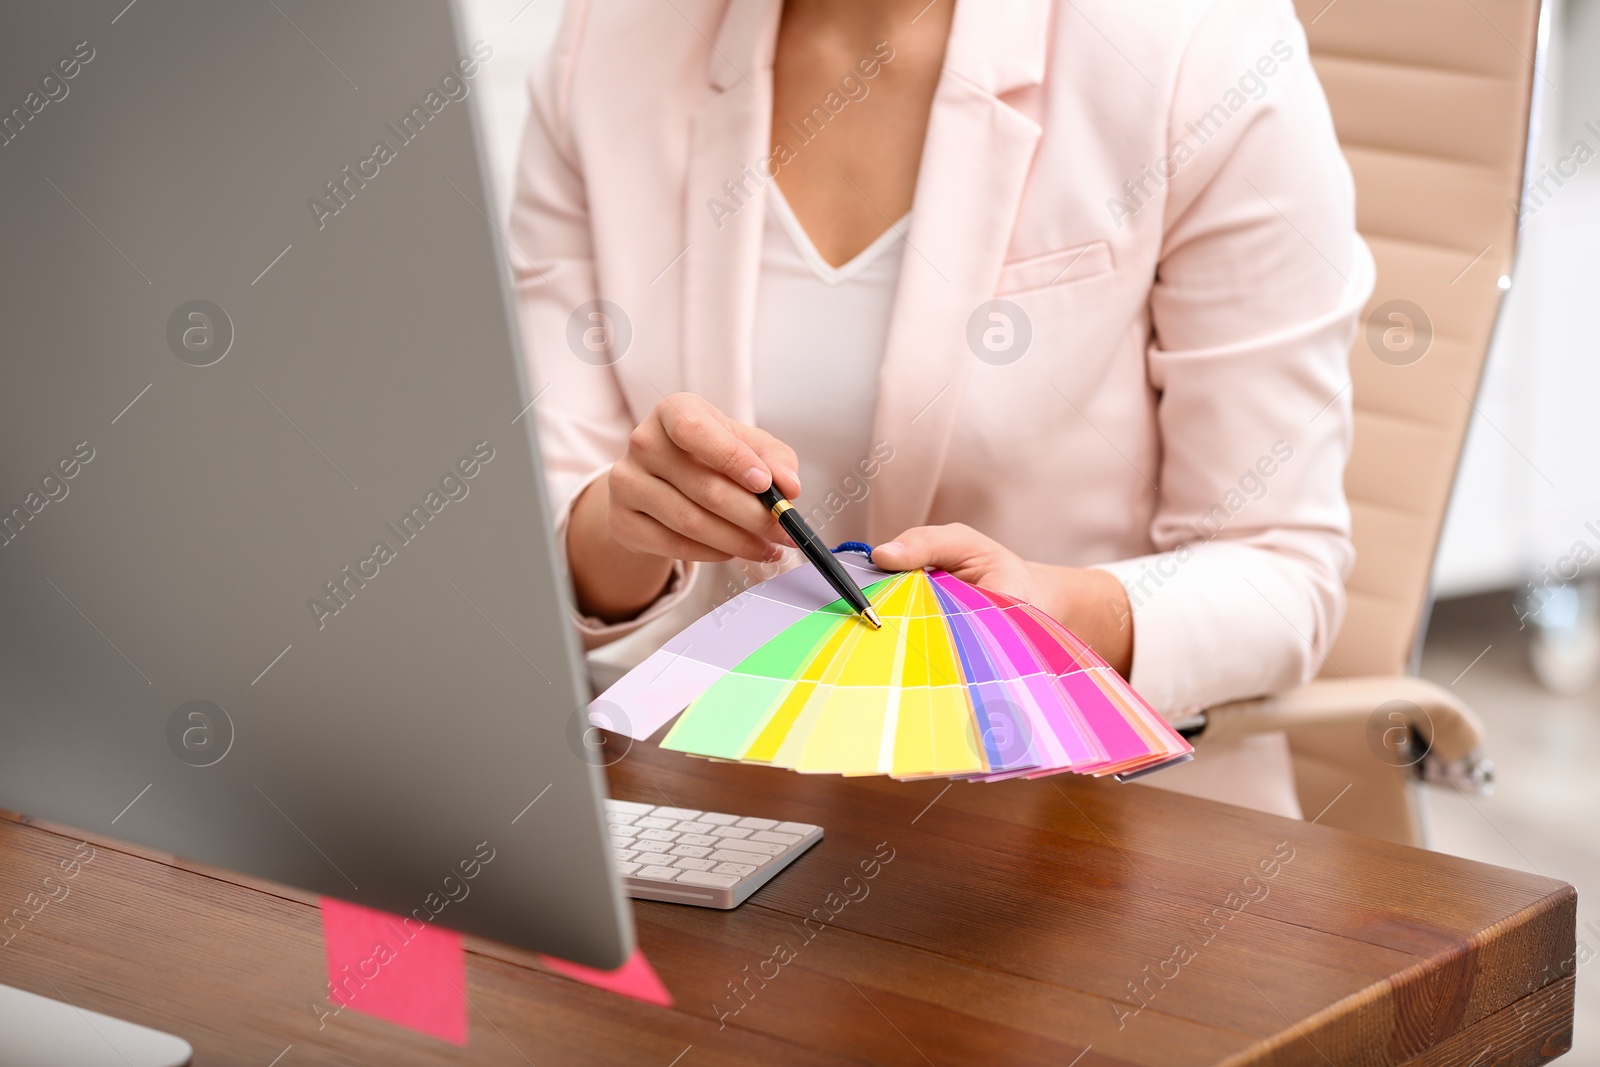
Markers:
point(1526, 510)
point(1526, 505)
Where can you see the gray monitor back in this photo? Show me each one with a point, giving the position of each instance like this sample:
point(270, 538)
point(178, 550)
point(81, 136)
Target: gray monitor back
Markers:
point(277, 583)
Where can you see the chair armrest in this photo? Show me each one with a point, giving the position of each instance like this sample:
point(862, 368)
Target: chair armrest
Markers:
point(1446, 728)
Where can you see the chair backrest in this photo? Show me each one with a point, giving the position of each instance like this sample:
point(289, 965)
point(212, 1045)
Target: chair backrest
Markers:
point(1431, 100)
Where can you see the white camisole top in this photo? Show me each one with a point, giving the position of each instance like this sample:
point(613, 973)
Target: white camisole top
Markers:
point(818, 346)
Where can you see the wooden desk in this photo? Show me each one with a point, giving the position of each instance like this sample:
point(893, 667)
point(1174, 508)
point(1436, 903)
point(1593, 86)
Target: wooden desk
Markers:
point(1005, 927)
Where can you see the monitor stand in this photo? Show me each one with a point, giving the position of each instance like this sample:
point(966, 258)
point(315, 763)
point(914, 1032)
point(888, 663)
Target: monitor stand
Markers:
point(37, 1031)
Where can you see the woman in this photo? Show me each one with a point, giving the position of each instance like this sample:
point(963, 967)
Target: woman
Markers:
point(1054, 295)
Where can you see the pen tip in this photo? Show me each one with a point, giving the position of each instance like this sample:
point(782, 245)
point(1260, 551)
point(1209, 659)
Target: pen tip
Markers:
point(872, 617)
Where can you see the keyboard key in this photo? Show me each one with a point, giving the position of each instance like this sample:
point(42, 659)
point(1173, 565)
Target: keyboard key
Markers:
point(765, 848)
point(719, 881)
point(619, 818)
point(738, 869)
point(693, 827)
point(698, 839)
point(653, 823)
point(735, 832)
point(675, 813)
point(625, 854)
point(661, 874)
point(717, 818)
point(801, 828)
point(624, 832)
point(658, 835)
point(653, 846)
point(771, 836)
point(628, 807)
point(696, 851)
point(724, 856)
point(689, 863)
point(757, 824)
point(626, 869)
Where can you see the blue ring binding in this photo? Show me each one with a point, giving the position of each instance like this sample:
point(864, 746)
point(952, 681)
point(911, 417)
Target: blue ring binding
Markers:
point(855, 546)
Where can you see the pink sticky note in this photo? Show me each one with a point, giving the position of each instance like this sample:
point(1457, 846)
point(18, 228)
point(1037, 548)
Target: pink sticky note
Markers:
point(398, 969)
point(636, 978)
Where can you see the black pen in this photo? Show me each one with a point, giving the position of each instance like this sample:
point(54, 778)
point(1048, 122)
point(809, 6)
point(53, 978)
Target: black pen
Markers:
point(817, 552)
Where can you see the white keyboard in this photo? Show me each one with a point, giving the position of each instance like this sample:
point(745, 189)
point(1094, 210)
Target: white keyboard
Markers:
point(707, 858)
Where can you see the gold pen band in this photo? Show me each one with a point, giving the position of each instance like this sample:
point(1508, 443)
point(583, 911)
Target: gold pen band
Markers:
point(780, 507)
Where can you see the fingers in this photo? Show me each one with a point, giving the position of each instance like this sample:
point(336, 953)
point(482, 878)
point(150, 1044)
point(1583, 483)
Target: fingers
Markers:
point(641, 533)
point(694, 474)
point(716, 494)
point(778, 457)
point(702, 431)
point(636, 490)
point(949, 547)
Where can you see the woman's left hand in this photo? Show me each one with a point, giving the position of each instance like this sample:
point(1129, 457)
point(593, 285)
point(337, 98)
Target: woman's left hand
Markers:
point(1091, 603)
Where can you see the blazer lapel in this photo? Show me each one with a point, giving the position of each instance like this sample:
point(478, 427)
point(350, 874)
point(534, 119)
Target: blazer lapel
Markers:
point(975, 163)
point(724, 207)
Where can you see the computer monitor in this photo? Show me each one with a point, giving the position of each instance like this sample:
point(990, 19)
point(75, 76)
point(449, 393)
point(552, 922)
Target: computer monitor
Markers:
point(278, 590)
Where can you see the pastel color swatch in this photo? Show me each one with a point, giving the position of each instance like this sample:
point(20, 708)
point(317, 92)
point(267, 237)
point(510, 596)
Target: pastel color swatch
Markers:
point(960, 682)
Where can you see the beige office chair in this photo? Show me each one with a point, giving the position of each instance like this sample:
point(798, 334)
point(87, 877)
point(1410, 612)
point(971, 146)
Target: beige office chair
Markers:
point(1431, 99)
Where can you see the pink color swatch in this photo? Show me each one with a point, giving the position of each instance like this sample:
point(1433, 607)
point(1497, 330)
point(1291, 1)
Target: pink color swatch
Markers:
point(636, 978)
point(396, 969)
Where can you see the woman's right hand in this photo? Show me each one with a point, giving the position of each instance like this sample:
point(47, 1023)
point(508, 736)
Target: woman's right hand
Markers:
point(685, 489)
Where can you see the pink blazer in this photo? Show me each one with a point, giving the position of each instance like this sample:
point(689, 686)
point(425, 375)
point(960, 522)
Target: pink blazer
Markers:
point(1154, 191)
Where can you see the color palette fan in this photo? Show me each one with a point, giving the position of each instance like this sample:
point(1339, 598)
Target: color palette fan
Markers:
point(961, 682)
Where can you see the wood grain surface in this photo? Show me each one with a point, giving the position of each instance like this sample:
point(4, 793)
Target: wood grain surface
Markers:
point(1061, 921)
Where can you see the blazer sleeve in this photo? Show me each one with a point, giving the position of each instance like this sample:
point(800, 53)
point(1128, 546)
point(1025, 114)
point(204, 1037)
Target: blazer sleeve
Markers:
point(1259, 287)
point(583, 420)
